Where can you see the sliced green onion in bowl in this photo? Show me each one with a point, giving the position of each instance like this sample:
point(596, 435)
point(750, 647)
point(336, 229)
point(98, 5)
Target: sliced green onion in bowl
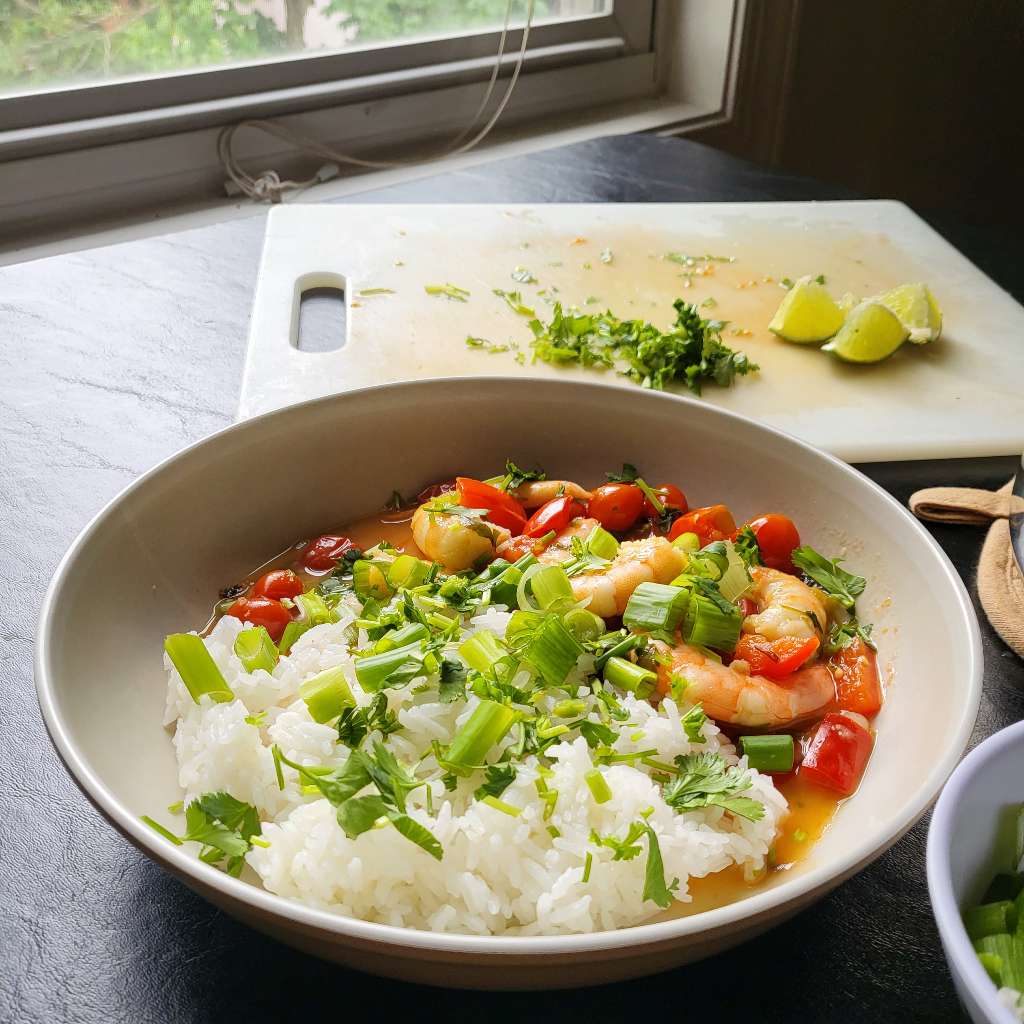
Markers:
point(584, 624)
point(368, 580)
point(552, 651)
point(198, 670)
point(374, 670)
point(628, 676)
point(486, 726)
point(602, 543)
point(482, 650)
point(550, 585)
point(402, 637)
point(687, 542)
point(598, 786)
point(735, 581)
point(769, 753)
point(656, 606)
point(256, 650)
point(327, 694)
point(407, 571)
point(707, 625)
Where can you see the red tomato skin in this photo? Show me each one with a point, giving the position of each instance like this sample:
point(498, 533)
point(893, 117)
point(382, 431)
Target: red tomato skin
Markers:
point(277, 584)
point(775, 659)
point(555, 515)
point(858, 686)
point(262, 611)
point(435, 491)
point(777, 536)
point(616, 506)
point(711, 523)
point(514, 549)
point(837, 754)
point(670, 496)
point(502, 509)
point(321, 555)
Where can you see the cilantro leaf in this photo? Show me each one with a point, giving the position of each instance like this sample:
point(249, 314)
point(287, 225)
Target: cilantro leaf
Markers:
point(626, 475)
point(705, 780)
point(747, 547)
point(843, 633)
point(515, 475)
point(692, 722)
point(498, 777)
point(452, 686)
point(596, 734)
point(625, 848)
point(844, 586)
point(655, 888)
point(360, 814)
point(418, 834)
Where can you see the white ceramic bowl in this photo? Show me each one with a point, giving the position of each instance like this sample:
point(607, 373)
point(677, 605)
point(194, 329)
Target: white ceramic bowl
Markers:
point(962, 858)
point(148, 564)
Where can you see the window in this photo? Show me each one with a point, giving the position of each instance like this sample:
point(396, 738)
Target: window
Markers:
point(57, 43)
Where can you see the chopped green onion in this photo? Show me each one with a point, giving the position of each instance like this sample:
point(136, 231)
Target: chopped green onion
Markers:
point(628, 676)
point(583, 624)
point(197, 668)
point(176, 808)
point(602, 543)
point(799, 835)
point(523, 601)
point(687, 542)
point(554, 831)
point(628, 643)
point(655, 606)
point(569, 708)
point(314, 611)
point(160, 830)
point(407, 571)
point(482, 650)
point(368, 580)
point(374, 670)
point(990, 919)
point(707, 625)
point(327, 694)
point(598, 786)
point(587, 865)
point(550, 585)
point(407, 634)
point(735, 581)
point(499, 805)
point(291, 633)
point(486, 726)
point(769, 753)
point(1010, 950)
point(552, 651)
point(993, 967)
point(255, 649)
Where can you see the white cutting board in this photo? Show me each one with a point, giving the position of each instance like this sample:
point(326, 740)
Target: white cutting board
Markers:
point(962, 396)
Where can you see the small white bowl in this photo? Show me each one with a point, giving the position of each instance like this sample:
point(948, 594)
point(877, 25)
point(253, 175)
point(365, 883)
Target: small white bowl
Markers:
point(962, 858)
point(150, 562)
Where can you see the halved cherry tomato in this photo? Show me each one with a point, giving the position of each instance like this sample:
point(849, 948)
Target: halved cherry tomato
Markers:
point(670, 496)
point(837, 754)
point(322, 554)
point(262, 611)
point(855, 670)
point(435, 491)
point(711, 523)
point(777, 536)
point(502, 509)
point(555, 515)
point(277, 584)
point(616, 506)
point(775, 658)
point(747, 607)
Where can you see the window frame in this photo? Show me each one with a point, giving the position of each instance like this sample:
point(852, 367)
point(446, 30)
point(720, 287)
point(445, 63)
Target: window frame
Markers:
point(629, 22)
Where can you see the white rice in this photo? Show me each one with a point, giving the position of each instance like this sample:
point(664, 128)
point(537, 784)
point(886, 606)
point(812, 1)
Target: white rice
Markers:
point(499, 873)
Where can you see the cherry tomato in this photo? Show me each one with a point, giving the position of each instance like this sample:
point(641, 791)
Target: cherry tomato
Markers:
point(670, 496)
point(514, 549)
point(776, 537)
point(775, 659)
point(262, 611)
point(435, 491)
point(555, 515)
point(277, 584)
point(855, 670)
point(711, 523)
point(502, 509)
point(616, 506)
point(322, 554)
point(837, 754)
point(747, 607)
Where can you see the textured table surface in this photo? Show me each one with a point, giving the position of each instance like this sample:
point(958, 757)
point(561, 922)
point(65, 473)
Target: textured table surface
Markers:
point(113, 358)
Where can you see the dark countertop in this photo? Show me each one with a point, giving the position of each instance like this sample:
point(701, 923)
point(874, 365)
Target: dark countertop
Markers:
point(114, 358)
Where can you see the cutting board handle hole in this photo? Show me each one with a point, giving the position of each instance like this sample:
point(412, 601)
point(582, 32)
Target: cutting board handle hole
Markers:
point(321, 316)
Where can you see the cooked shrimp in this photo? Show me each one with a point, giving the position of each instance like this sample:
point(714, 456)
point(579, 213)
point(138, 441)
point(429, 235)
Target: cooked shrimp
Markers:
point(729, 694)
point(452, 541)
point(534, 493)
point(786, 606)
point(651, 560)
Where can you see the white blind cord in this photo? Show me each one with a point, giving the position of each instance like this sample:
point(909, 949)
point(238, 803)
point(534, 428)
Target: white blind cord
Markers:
point(268, 186)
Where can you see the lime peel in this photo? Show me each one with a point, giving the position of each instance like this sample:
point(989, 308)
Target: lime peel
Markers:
point(917, 309)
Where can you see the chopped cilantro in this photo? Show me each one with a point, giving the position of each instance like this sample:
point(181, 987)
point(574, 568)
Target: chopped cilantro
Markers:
point(515, 475)
point(494, 347)
point(747, 547)
point(705, 780)
point(514, 300)
point(655, 888)
point(450, 291)
point(844, 586)
point(693, 721)
point(497, 778)
point(843, 633)
point(452, 684)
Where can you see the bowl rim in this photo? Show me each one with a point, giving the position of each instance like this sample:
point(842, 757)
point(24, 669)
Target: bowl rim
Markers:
point(945, 908)
point(796, 891)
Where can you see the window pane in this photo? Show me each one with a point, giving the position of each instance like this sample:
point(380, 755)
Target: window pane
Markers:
point(46, 43)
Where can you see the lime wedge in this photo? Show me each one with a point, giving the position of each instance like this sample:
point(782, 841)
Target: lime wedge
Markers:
point(846, 303)
point(807, 313)
point(871, 333)
point(915, 305)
